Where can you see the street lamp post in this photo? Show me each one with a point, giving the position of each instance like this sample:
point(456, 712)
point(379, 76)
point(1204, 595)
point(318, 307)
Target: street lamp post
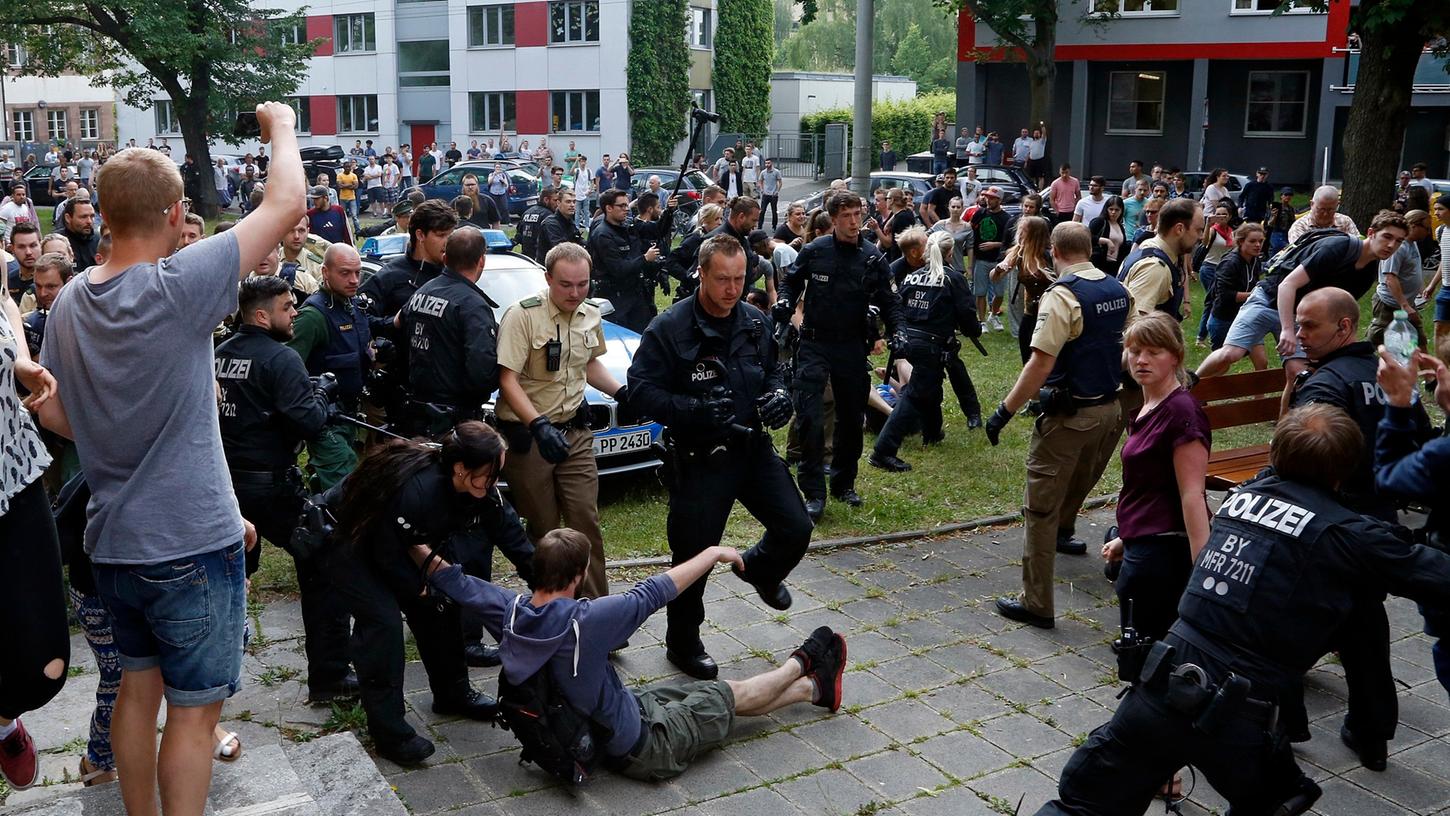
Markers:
point(861, 118)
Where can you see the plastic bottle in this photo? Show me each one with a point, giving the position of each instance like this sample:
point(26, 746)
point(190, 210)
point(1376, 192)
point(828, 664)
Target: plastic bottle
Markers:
point(1401, 338)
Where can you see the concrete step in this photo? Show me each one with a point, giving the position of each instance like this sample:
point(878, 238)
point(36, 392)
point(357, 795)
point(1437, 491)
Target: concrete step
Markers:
point(328, 776)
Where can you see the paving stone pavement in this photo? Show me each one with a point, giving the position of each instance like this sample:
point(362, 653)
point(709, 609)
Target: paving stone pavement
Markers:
point(949, 709)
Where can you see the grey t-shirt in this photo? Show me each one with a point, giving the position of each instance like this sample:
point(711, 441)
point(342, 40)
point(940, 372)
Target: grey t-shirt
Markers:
point(133, 359)
point(1405, 265)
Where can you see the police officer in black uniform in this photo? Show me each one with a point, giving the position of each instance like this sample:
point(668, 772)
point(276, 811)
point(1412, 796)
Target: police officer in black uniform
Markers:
point(625, 271)
point(707, 369)
point(839, 275)
point(1275, 582)
point(739, 221)
point(452, 340)
point(268, 406)
point(937, 302)
point(559, 227)
point(532, 220)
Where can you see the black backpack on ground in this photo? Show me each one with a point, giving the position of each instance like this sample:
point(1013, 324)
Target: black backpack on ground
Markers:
point(553, 734)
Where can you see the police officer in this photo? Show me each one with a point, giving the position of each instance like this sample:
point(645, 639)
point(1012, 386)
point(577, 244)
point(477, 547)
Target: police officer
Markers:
point(838, 275)
point(268, 406)
point(550, 346)
point(624, 270)
point(1274, 583)
point(1154, 272)
point(332, 336)
point(740, 218)
point(707, 369)
point(52, 271)
point(1342, 373)
point(559, 227)
point(650, 221)
point(297, 266)
point(1077, 351)
point(532, 219)
point(452, 340)
point(937, 302)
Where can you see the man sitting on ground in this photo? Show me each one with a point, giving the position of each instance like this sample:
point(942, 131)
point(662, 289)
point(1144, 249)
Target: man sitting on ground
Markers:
point(681, 719)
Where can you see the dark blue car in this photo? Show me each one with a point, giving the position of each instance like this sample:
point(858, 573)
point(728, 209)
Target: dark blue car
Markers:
point(523, 186)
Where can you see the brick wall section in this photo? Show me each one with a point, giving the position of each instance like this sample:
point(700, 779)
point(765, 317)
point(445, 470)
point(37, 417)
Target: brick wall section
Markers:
point(106, 109)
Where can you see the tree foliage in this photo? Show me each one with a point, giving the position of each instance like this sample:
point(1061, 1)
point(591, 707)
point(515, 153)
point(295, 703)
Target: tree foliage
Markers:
point(211, 57)
point(744, 46)
point(658, 77)
point(913, 39)
point(905, 123)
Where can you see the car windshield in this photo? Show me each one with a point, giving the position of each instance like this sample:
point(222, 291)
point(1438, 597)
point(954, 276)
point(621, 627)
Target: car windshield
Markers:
point(509, 286)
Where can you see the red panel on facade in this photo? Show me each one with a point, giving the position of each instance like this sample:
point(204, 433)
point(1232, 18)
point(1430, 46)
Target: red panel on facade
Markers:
point(323, 110)
point(320, 26)
point(532, 108)
point(531, 24)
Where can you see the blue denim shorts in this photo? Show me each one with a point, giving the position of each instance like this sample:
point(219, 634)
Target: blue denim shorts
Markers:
point(1256, 319)
point(982, 283)
point(185, 617)
point(1442, 304)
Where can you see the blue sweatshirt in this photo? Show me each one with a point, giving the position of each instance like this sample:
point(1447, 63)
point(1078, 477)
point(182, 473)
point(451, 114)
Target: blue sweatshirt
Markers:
point(546, 635)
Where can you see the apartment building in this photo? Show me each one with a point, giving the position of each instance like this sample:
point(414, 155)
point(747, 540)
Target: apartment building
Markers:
point(1196, 84)
point(39, 111)
point(420, 71)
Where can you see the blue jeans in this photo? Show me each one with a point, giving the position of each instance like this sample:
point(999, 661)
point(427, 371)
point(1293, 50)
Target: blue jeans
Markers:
point(1442, 304)
point(350, 207)
point(1217, 331)
point(938, 166)
point(183, 616)
point(1206, 275)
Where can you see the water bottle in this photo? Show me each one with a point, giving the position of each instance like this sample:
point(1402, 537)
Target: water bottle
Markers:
point(1401, 339)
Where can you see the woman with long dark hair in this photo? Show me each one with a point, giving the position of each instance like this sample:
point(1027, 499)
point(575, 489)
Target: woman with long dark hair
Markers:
point(1218, 239)
point(1110, 237)
point(403, 494)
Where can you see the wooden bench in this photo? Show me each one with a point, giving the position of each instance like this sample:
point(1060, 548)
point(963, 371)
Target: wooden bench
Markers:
point(1233, 400)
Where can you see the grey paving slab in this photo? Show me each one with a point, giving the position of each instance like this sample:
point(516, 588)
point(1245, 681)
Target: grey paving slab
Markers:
point(828, 793)
point(895, 775)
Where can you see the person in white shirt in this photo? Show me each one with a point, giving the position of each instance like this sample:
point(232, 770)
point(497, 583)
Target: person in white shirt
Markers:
point(7, 168)
point(1091, 206)
point(373, 179)
point(391, 178)
point(17, 208)
point(1417, 177)
point(749, 170)
point(405, 156)
point(968, 187)
point(976, 152)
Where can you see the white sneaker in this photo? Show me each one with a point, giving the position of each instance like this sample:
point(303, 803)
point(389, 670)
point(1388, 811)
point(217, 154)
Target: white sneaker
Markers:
point(994, 323)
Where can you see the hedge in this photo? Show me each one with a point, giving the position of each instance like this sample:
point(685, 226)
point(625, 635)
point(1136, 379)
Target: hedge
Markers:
point(658, 77)
point(905, 123)
point(744, 51)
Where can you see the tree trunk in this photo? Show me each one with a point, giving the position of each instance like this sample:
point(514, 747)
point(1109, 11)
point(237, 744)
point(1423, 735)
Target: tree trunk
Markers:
point(1041, 82)
point(207, 203)
point(1378, 118)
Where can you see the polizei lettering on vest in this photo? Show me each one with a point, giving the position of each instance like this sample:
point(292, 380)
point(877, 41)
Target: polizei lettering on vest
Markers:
point(428, 304)
point(1113, 305)
point(1275, 514)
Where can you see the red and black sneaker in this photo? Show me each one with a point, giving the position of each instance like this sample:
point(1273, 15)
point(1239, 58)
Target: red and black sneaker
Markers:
point(827, 674)
point(17, 758)
point(815, 649)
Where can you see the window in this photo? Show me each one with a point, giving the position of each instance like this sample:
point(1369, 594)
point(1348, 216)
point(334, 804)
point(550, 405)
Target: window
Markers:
point(1278, 104)
point(357, 114)
point(1135, 102)
point(290, 33)
point(303, 111)
point(166, 117)
point(23, 126)
point(491, 112)
point(422, 63)
point(702, 27)
point(1268, 6)
point(574, 21)
point(574, 111)
point(56, 122)
point(490, 25)
point(15, 55)
point(90, 124)
point(1137, 8)
point(353, 33)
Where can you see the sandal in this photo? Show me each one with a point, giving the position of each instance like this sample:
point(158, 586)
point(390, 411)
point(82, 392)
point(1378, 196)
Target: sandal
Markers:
point(92, 776)
point(228, 748)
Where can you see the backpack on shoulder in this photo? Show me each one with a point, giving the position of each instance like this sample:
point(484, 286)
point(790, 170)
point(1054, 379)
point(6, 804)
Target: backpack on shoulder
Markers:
point(554, 735)
point(1292, 256)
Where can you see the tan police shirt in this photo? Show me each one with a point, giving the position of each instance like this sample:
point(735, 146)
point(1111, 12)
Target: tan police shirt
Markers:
point(1150, 281)
point(1059, 315)
point(523, 337)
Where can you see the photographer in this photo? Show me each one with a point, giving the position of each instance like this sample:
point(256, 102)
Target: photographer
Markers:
point(268, 407)
point(404, 494)
point(1077, 351)
point(707, 369)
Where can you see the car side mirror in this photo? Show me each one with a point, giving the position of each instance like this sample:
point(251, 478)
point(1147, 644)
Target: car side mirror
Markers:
point(606, 307)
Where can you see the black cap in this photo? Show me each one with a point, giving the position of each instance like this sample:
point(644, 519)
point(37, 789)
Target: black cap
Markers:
point(757, 236)
point(318, 191)
point(1286, 191)
point(1264, 170)
point(402, 208)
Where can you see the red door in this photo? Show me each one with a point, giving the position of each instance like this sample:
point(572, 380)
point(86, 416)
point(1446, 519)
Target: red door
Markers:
point(420, 137)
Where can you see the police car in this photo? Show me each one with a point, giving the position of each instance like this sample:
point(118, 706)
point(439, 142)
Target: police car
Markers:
point(507, 278)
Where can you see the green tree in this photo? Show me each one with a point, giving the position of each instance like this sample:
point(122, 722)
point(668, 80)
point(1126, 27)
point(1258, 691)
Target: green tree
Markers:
point(744, 46)
point(913, 39)
point(658, 77)
point(211, 57)
point(1030, 27)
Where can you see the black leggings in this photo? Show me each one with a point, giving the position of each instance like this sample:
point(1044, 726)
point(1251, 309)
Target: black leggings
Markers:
point(1155, 573)
point(30, 562)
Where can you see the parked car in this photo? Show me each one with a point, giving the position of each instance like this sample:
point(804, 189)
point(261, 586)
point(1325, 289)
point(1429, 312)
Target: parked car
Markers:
point(37, 183)
point(509, 277)
point(1194, 180)
point(322, 159)
point(690, 191)
point(1012, 180)
point(523, 186)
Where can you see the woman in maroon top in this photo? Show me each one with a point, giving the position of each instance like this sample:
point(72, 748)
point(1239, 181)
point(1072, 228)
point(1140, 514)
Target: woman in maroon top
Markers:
point(1162, 508)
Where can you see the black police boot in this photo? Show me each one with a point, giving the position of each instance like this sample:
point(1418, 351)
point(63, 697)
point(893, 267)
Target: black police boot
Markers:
point(1013, 609)
point(1067, 544)
point(889, 462)
point(698, 664)
point(481, 655)
point(1372, 753)
point(1111, 569)
point(815, 508)
point(849, 496)
point(411, 751)
point(1302, 801)
point(974, 421)
point(346, 688)
point(928, 441)
point(775, 595)
point(475, 705)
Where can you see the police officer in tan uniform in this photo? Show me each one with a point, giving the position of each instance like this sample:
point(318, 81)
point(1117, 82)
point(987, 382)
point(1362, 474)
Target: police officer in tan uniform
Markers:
point(549, 347)
point(1074, 370)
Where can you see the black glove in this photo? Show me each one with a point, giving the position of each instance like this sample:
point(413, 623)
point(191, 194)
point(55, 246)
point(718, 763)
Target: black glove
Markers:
point(710, 411)
point(624, 414)
point(552, 444)
point(996, 422)
point(384, 351)
point(325, 387)
point(775, 408)
point(781, 312)
point(898, 343)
